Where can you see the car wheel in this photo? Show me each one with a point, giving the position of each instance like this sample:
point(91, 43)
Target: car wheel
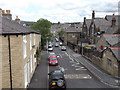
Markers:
point(60, 82)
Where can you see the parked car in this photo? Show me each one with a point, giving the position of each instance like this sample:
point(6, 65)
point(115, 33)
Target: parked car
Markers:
point(60, 43)
point(53, 61)
point(63, 48)
point(50, 44)
point(57, 80)
point(50, 48)
point(57, 40)
point(51, 54)
point(56, 45)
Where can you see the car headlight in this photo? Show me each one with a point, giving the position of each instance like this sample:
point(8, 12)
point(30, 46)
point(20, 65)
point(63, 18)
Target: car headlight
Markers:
point(53, 83)
point(56, 62)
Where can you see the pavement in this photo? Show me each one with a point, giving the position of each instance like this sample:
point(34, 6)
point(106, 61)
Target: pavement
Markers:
point(96, 71)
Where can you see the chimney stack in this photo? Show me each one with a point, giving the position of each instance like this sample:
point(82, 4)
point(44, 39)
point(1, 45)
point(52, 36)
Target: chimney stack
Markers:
point(3, 11)
point(72, 25)
point(7, 14)
point(113, 21)
point(84, 19)
point(7, 11)
point(17, 19)
point(93, 14)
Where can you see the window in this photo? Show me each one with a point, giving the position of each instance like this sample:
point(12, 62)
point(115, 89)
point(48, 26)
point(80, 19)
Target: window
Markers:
point(109, 62)
point(30, 41)
point(24, 46)
point(73, 35)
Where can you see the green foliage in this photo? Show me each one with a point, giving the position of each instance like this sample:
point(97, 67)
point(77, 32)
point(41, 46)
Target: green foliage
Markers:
point(43, 26)
point(61, 32)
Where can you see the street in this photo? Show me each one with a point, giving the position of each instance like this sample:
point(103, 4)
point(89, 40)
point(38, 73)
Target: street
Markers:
point(76, 75)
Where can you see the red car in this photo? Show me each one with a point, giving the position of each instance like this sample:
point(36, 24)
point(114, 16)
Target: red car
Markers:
point(53, 60)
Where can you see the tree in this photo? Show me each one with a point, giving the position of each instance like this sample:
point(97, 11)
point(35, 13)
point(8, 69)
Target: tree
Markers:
point(61, 32)
point(43, 26)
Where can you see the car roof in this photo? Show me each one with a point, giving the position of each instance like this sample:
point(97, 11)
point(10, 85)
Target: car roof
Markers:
point(63, 47)
point(57, 72)
point(51, 53)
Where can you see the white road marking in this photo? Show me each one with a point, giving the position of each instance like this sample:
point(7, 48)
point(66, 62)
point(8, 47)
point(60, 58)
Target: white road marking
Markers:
point(60, 55)
point(78, 66)
point(77, 76)
point(66, 54)
point(80, 69)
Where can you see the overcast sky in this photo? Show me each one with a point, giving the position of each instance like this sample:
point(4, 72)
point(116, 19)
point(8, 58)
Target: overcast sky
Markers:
point(59, 10)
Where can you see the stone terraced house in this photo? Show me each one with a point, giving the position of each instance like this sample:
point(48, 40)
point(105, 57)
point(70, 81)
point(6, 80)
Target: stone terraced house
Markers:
point(19, 46)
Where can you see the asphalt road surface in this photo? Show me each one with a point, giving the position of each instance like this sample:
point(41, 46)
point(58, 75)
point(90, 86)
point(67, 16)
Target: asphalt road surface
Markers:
point(76, 75)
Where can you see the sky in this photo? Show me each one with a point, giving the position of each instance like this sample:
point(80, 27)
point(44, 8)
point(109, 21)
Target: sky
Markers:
point(59, 10)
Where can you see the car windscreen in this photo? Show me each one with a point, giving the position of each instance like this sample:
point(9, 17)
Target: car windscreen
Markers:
point(49, 46)
point(52, 59)
point(57, 76)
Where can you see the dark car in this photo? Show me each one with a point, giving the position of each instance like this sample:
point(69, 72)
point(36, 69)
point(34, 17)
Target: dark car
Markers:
point(63, 48)
point(57, 80)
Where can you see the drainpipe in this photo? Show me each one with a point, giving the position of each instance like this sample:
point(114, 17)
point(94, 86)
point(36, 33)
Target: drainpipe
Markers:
point(10, 62)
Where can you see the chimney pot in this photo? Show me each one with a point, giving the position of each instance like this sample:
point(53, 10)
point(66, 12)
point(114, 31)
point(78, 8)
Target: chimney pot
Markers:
point(84, 18)
point(6, 14)
point(3, 11)
point(17, 19)
point(113, 20)
point(7, 11)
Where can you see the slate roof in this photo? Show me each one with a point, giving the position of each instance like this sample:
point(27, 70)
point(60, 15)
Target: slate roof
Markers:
point(65, 26)
point(72, 29)
point(111, 30)
point(112, 39)
point(117, 17)
point(102, 24)
point(12, 27)
point(26, 22)
point(88, 22)
point(116, 52)
point(117, 45)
